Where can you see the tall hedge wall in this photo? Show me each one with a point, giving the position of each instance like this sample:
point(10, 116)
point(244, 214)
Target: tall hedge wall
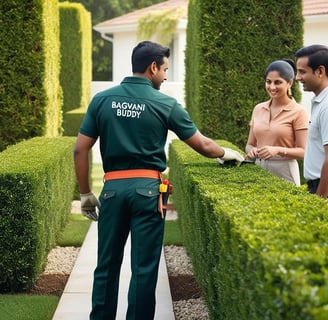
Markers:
point(229, 45)
point(76, 51)
point(30, 94)
point(76, 63)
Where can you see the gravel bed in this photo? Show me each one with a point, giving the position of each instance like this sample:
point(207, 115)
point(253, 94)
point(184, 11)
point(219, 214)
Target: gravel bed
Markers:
point(61, 260)
point(192, 309)
point(178, 263)
point(177, 260)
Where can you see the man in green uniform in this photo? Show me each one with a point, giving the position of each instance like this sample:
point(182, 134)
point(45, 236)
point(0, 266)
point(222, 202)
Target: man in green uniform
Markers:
point(132, 121)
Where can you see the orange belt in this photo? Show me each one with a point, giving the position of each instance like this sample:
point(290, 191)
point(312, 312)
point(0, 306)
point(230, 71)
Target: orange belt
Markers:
point(133, 173)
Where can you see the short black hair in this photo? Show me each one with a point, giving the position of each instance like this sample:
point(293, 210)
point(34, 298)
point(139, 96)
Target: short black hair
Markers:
point(317, 55)
point(145, 53)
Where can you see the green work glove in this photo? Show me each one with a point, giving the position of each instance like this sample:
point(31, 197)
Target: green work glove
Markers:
point(230, 155)
point(89, 202)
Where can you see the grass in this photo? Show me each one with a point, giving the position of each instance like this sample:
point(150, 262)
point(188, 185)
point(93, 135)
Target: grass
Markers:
point(27, 307)
point(172, 234)
point(35, 307)
point(75, 231)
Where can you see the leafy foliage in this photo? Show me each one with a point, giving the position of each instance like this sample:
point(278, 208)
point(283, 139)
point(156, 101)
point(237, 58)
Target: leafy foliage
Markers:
point(229, 45)
point(258, 243)
point(161, 24)
point(75, 48)
point(30, 93)
point(34, 206)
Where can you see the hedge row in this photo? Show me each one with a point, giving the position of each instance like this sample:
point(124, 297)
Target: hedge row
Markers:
point(37, 183)
point(76, 68)
point(75, 48)
point(45, 62)
point(259, 245)
point(30, 92)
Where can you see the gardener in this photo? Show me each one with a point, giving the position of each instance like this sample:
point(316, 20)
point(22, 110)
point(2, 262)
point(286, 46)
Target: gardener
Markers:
point(132, 121)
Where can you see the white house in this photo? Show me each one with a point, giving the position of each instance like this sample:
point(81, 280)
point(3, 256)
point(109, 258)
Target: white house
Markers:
point(315, 14)
point(122, 32)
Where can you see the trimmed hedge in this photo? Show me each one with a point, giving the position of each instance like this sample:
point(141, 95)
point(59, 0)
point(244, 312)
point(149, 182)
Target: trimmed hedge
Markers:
point(37, 182)
point(30, 93)
point(258, 244)
point(76, 69)
point(229, 46)
point(75, 48)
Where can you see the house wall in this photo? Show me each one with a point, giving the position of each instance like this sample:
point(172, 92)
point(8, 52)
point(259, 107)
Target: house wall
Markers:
point(315, 32)
point(124, 42)
point(176, 70)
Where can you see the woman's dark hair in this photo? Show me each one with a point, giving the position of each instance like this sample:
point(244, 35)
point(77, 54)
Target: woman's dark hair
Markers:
point(285, 67)
point(317, 55)
point(147, 52)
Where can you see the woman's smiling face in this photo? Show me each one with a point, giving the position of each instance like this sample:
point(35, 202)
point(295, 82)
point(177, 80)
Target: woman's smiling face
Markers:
point(275, 85)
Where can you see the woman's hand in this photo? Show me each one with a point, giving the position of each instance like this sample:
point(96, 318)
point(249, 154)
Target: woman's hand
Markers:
point(268, 152)
point(252, 154)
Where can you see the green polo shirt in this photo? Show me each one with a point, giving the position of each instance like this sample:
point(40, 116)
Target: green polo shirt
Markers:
point(132, 121)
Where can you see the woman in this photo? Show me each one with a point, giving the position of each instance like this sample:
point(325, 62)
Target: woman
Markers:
point(278, 127)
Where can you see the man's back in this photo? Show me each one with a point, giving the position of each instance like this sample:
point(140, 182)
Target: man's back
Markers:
point(132, 121)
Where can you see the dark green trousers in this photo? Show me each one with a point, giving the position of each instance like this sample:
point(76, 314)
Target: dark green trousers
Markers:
point(128, 205)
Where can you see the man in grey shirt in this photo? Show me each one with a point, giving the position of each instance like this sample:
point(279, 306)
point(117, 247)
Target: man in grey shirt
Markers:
point(312, 72)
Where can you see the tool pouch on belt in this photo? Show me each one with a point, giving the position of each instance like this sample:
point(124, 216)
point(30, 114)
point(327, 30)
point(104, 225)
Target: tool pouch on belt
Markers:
point(165, 189)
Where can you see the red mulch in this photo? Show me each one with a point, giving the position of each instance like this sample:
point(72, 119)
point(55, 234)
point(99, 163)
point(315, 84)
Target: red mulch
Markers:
point(184, 287)
point(50, 284)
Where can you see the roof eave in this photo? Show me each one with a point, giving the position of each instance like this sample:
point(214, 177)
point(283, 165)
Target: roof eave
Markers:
point(316, 18)
point(110, 30)
point(116, 28)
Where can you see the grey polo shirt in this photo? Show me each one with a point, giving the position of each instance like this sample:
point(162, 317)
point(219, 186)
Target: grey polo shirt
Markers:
point(317, 136)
